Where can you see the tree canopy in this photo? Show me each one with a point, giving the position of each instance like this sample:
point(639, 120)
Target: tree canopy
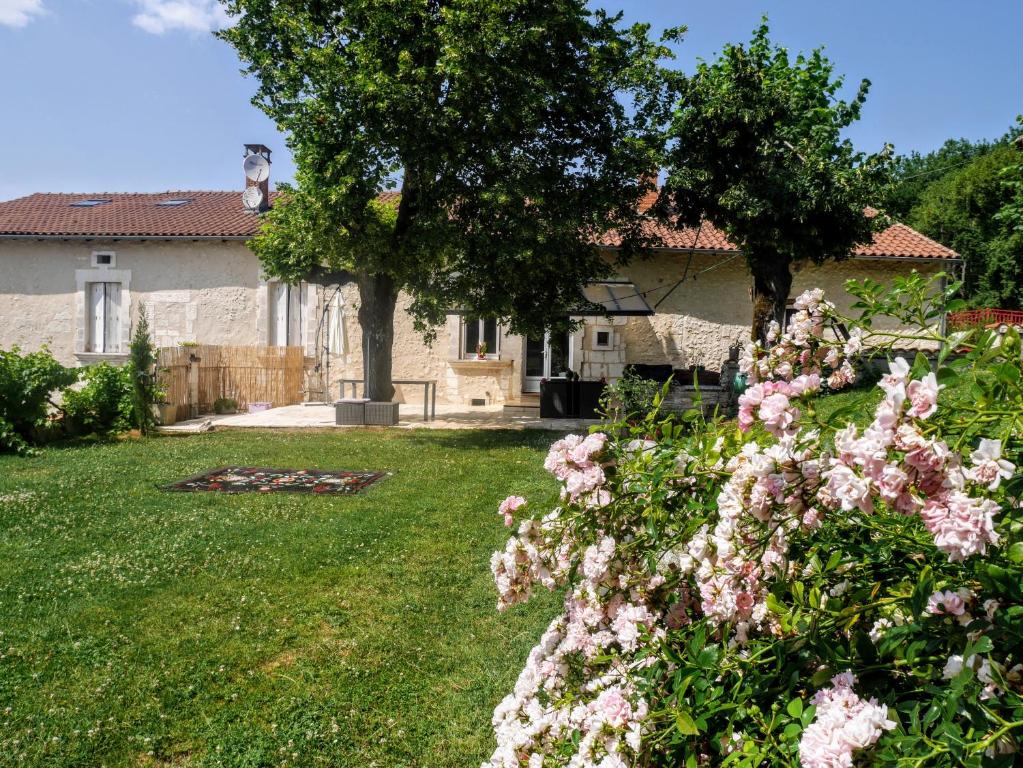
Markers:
point(517, 129)
point(967, 195)
point(959, 210)
point(756, 147)
point(976, 208)
point(913, 173)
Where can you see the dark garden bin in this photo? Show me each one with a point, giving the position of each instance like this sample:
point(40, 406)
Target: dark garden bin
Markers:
point(555, 399)
point(588, 399)
point(561, 398)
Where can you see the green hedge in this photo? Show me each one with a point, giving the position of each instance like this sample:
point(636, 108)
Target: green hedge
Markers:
point(104, 405)
point(26, 383)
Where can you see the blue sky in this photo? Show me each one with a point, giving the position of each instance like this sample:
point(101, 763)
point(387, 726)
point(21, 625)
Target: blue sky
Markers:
point(136, 95)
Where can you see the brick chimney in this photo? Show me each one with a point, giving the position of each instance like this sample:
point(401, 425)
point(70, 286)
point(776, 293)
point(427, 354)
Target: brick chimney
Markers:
point(650, 180)
point(264, 183)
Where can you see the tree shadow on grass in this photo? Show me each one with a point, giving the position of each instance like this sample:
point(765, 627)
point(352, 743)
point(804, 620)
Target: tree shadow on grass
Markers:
point(484, 439)
point(73, 443)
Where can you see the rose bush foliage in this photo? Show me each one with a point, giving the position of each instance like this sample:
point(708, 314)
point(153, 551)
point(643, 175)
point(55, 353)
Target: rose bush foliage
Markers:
point(801, 586)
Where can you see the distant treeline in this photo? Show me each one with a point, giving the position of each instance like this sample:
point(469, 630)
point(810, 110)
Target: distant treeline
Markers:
point(968, 195)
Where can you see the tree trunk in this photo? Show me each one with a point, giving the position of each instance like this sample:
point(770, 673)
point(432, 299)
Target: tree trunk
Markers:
point(772, 282)
point(377, 298)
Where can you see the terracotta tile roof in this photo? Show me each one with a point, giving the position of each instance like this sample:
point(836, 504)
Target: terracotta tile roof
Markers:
point(899, 240)
point(208, 214)
point(220, 214)
point(896, 242)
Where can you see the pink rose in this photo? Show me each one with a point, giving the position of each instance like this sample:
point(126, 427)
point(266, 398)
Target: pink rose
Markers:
point(989, 468)
point(923, 396)
point(946, 602)
point(615, 707)
point(777, 414)
point(508, 506)
point(744, 602)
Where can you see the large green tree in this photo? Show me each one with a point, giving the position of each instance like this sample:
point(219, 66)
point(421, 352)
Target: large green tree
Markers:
point(913, 173)
point(1003, 273)
point(517, 130)
point(961, 209)
point(756, 147)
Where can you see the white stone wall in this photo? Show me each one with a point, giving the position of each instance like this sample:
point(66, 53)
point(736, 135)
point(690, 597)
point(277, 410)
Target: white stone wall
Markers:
point(212, 292)
point(696, 323)
point(458, 381)
point(205, 292)
point(601, 363)
point(698, 320)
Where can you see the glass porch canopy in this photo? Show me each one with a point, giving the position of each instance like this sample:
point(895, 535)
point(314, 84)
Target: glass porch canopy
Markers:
point(617, 298)
point(614, 298)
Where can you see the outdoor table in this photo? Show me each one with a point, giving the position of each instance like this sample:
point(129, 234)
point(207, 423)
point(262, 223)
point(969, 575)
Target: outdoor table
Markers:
point(429, 398)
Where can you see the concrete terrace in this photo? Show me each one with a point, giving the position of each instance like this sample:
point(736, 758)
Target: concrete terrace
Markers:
point(321, 416)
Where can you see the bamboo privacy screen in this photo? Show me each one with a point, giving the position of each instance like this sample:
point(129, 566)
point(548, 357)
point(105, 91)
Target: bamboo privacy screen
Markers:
point(194, 377)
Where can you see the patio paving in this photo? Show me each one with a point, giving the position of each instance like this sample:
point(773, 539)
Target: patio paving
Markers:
point(320, 416)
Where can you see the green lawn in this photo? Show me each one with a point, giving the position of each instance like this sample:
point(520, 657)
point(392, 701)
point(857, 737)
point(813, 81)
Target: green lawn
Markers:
point(146, 628)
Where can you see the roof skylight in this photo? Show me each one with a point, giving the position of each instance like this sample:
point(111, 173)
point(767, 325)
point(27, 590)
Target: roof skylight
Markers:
point(174, 203)
point(89, 202)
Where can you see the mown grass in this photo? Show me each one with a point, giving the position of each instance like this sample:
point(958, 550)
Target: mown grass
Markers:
point(858, 404)
point(147, 628)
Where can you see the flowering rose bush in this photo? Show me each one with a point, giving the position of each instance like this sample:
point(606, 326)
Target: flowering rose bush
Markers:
point(803, 586)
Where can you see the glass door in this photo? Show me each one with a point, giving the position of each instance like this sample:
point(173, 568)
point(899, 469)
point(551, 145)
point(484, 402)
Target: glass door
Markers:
point(559, 355)
point(534, 365)
point(546, 358)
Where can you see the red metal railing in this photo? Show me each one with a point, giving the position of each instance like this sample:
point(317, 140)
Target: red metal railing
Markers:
point(971, 318)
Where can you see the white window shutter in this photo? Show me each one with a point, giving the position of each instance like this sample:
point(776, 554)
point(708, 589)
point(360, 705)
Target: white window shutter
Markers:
point(271, 302)
point(278, 314)
point(112, 318)
point(295, 313)
point(95, 325)
point(303, 304)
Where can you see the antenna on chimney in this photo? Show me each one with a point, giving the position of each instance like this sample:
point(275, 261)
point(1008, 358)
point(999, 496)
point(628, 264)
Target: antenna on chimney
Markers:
point(256, 164)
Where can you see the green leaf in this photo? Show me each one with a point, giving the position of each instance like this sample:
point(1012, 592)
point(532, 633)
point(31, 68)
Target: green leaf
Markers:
point(923, 590)
point(1016, 552)
point(983, 644)
point(795, 707)
point(684, 723)
point(797, 591)
point(833, 561)
point(921, 365)
point(821, 676)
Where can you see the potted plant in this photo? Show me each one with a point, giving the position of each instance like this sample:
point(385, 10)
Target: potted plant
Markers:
point(165, 411)
point(481, 351)
point(225, 405)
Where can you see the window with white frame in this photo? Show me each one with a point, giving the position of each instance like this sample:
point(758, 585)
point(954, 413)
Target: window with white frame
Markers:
point(287, 314)
point(480, 334)
point(104, 317)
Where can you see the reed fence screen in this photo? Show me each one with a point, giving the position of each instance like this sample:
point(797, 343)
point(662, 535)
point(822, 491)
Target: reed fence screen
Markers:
point(195, 377)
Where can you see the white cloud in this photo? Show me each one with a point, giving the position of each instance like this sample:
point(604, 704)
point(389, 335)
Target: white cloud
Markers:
point(18, 13)
point(160, 16)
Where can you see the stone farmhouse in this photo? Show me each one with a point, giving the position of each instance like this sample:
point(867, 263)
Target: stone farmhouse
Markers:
point(74, 268)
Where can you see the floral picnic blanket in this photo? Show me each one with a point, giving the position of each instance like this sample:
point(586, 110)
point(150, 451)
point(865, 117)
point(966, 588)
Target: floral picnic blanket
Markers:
point(265, 480)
